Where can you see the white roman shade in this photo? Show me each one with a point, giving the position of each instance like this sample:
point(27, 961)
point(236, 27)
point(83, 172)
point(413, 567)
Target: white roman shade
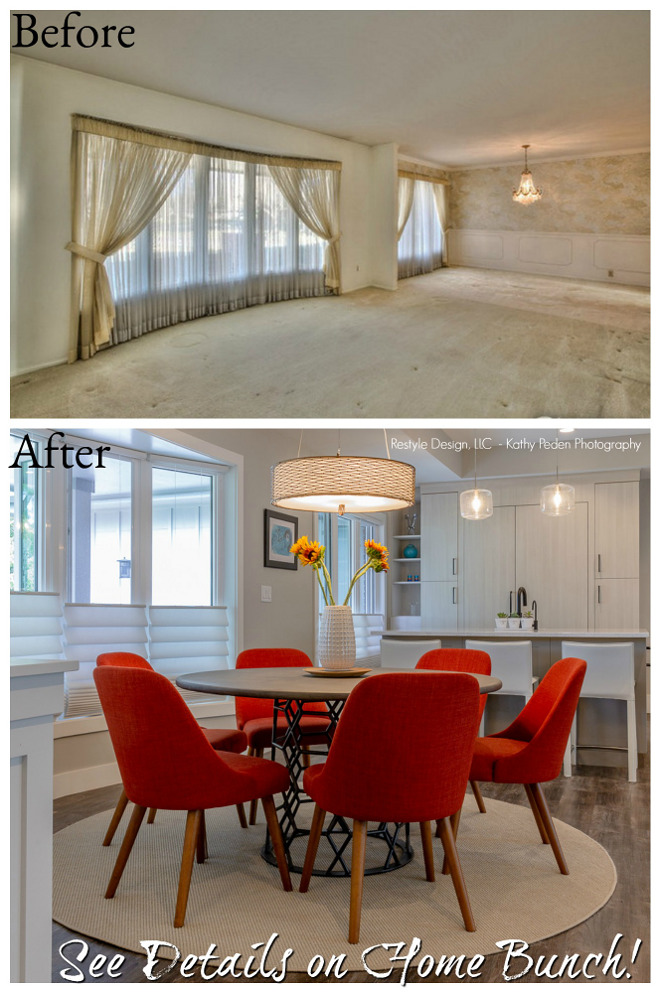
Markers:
point(188, 639)
point(367, 643)
point(93, 628)
point(35, 626)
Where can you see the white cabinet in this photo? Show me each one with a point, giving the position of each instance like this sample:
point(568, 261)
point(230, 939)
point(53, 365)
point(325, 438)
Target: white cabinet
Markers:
point(440, 605)
point(552, 564)
point(439, 565)
point(405, 581)
point(616, 508)
point(440, 530)
point(617, 605)
point(488, 567)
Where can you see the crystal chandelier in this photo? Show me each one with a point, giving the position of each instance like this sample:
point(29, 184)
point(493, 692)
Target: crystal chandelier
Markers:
point(527, 192)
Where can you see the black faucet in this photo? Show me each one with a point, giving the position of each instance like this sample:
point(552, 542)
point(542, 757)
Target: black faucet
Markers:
point(536, 620)
point(521, 599)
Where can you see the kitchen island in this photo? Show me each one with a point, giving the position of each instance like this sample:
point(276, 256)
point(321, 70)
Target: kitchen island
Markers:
point(602, 723)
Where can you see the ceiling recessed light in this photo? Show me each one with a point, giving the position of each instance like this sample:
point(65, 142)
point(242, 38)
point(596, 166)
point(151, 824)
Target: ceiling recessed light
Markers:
point(566, 430)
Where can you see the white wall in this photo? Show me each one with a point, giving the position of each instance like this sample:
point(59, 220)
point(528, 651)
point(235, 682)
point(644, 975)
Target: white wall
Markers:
point(603, 257)
point(43, 98)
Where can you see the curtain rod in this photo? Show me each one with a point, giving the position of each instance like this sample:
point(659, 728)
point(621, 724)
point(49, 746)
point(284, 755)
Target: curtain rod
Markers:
point(149, 136)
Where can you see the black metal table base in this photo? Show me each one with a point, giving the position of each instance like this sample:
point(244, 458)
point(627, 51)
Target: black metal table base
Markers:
point(333, 858)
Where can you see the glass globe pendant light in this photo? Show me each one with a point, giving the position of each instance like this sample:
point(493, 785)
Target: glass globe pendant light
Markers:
point(476, 504)
point(557, 499)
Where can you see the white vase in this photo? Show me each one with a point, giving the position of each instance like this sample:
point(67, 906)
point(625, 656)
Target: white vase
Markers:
point(500, 623)
point(337, 638)
point(513, 622)
point(527, 623)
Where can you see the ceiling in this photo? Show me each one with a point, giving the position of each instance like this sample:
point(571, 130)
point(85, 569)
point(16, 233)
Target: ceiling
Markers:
point(458, 88)
point(439, 455)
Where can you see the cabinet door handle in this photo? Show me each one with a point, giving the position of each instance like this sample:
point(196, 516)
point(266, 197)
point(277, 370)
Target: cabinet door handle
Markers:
point(599, 568)
point(598, 600)
point(454, 566)
point(454, 597)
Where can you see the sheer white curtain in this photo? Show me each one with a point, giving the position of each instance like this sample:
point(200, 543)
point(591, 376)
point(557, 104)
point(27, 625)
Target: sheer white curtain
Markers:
point(118, 186)
point(440, 195)
point(420, 244)
point(406, 194)
point(225, 239)
point(314, 196)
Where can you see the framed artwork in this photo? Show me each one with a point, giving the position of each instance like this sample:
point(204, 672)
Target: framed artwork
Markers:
point(280, 532)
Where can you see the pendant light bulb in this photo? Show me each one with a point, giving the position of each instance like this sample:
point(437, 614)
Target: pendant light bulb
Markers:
point(476, 504)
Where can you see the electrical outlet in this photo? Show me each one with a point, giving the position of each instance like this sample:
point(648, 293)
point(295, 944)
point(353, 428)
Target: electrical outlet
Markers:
point(266, 594)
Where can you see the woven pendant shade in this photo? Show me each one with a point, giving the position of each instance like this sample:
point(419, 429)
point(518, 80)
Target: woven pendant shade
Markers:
point(340, 483)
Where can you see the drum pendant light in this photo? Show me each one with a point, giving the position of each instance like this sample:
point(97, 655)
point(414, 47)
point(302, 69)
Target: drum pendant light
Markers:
point(343, 484)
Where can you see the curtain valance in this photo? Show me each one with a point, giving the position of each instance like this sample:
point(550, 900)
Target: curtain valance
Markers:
point(427, 177)
point(159, 139)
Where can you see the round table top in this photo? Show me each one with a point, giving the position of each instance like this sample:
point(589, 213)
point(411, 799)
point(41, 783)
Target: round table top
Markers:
point(295, 684)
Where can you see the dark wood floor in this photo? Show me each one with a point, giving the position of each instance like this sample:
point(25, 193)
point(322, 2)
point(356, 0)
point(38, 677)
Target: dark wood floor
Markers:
point(599, 802)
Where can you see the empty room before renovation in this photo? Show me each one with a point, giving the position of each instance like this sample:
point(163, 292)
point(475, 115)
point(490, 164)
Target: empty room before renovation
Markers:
point(353, 214)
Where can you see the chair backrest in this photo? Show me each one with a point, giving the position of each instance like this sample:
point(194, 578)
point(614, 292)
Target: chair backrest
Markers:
point(545, 722)
point(610, 668)
point(456, 660)
point(420, 771)
point(405, 653)
point(251, 708)
point(123, 658)
point(163, 756)
point(511, 661)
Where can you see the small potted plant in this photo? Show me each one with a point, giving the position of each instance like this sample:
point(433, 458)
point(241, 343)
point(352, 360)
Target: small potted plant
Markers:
point(513, 621)
point(527, 620)
point(500, 620)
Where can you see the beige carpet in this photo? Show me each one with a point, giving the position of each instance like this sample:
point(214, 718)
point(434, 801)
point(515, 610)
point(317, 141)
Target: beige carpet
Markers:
point(456, 343)
point(515, 889)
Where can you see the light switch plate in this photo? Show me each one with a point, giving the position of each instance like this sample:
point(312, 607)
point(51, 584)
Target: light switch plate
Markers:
point(266, 594)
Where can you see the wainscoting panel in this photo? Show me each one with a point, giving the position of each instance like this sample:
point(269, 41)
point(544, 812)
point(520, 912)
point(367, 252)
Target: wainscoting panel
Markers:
point(603, 257)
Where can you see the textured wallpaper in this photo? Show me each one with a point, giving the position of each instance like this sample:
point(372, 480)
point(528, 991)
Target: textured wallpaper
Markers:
point(607, 195)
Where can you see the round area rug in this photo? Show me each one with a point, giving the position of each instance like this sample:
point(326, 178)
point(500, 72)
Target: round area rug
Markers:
point(237, 904)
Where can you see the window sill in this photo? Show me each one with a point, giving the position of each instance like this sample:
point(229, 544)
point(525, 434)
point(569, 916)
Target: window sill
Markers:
point(91, 725)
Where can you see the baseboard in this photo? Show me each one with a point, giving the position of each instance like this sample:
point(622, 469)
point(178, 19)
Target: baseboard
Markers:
point(80, 780)
point(35, 368)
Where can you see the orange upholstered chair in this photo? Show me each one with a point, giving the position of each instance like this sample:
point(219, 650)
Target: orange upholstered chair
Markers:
point(166, 761)
point(461, 660)
point(254, 716)
point(421, 775)
point(531, 750)
point(223, 740)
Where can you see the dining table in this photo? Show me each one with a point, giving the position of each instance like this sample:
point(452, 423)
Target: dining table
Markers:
point(292, 689)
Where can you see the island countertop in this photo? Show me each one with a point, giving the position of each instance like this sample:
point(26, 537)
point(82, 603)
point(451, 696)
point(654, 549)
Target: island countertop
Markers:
point(567, 634)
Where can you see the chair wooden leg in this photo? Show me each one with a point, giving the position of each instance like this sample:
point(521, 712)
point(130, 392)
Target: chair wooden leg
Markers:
point(449, 845)
point(537, 816)
point(477, 796)
point(257, 753)
point(276, 839)
point(357, 879)
point(541, 803)
point(240, 809)
point(454, 820)
point(312, 847)
point(427, 848)
point(202, 847)
point(131, 834)
point(190, 844)
point(152, 815)
point(122, 803)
